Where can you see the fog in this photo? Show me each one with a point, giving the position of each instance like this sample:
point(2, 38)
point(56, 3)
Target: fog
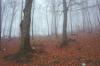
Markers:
point(40, 16)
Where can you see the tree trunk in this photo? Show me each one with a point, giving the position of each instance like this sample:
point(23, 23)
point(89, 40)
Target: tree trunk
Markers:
point(25, 27)
point(65, 11)
point(88, 18)
point(71, 24)
point(12, 21)
point(47, 21)
point(22, 10)
point(97, 2)
point(83, 17)
point(32, 22)
point(54, 18)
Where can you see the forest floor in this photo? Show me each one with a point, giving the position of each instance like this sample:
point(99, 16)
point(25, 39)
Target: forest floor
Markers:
point(84, 50)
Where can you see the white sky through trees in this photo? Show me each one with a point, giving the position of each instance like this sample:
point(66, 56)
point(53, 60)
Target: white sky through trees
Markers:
point(40, 26)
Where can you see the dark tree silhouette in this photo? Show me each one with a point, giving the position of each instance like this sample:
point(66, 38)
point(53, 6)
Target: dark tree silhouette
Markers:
point(65, 12)
point(25, 27)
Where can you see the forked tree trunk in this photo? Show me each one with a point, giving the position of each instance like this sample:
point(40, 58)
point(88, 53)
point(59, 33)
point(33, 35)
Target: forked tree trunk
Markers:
point(64, 32)
point(25, 27)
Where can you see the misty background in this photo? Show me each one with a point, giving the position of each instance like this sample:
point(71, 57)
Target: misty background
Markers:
point(43, 13)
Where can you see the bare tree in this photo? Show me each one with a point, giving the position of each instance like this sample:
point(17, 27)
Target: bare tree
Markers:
point(83, 16)
point(98, 5)
point(4, 14)
point(47, 19)
point(88, 18)
point(22, 10)
point(65, 13)
point(54, 18)
point(13, 5)
point(98, 16)
point(25, 27)
point(33, 18)
point(71, 24)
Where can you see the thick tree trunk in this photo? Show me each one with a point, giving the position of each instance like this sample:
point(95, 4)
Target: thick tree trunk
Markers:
point(25, 27)
point(64, 36)
point(25, 48)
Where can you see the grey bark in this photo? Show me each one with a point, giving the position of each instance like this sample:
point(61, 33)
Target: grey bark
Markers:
point(25, 27)
point(83, 17)
point(71, 24)
point(98, 5)
point(47, 20)
point(33, 19)
point(65, 10)
point(64, 32)
point(88, 18)
point(54, 18)
point(13, 5)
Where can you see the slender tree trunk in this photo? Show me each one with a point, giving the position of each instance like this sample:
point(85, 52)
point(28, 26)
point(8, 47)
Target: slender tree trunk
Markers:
point(56, 33)
point(13, 5)
point(54, 18)
point(22, 10)
point(33, 22)
point(25, 27)
point(12, 20)
point(32, 25)
point(83, 17)
point(33, 19)
point(55, 22)
point(71, 24)
point(88, 18)
point(47, 21)
point(98, 5)
point(52, 31)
